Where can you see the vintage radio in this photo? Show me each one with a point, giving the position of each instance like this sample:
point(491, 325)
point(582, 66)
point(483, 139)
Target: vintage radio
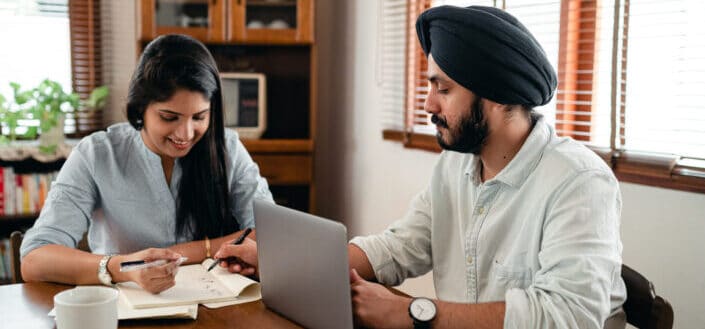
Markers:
point(245, 103)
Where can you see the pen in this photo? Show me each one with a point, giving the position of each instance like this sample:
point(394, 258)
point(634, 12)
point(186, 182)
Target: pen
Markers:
point(135, 265)
point(237, 241)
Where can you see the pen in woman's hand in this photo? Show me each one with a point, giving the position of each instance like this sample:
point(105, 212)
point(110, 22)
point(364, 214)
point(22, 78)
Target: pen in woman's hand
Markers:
point(237, 241)
point(142, 264)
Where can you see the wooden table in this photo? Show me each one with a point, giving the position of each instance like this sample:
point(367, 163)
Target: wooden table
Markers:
point(26, 306)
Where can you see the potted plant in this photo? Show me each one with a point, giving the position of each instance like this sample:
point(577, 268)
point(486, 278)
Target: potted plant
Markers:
point(50, 105)
point(40, 109)
point(12, 113)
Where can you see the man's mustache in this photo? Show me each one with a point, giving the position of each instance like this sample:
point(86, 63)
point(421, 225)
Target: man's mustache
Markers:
point(436, 120)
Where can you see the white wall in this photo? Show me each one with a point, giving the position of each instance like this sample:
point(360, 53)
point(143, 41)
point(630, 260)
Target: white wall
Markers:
point(662, 233)
point(121, 18)
point(367, 182)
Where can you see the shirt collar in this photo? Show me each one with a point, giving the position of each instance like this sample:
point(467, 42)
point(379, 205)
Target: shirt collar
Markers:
point(524, 162)
point(528, 157)
point(152, 158)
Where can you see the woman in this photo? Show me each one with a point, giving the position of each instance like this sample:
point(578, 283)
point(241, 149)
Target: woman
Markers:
point(170, 183)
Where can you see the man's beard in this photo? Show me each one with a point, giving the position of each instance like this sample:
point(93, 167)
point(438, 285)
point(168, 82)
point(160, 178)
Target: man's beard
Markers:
point(469, 135)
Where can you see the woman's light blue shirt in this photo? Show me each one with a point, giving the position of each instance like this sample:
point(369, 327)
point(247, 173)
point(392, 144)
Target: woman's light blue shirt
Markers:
point(113, 187)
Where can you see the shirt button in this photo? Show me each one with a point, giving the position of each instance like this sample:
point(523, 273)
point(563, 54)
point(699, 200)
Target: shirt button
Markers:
point(469, 259)
point(481, 210)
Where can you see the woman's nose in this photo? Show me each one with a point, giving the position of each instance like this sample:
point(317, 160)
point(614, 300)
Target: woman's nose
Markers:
point(185, 131)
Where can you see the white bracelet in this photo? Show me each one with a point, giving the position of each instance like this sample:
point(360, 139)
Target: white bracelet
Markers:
point(103, 274)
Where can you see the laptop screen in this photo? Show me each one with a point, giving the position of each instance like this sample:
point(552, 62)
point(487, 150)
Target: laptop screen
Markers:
point(303, 266)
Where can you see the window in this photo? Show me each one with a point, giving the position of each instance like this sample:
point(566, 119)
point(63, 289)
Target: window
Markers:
point(55, 39)
point(631, 82)
point(35, 44)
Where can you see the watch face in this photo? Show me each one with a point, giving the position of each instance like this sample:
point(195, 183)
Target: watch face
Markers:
point(423, 309)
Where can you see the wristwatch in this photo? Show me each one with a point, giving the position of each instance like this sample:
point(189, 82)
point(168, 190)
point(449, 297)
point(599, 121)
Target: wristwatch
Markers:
point(103, 275)
point(422, 311)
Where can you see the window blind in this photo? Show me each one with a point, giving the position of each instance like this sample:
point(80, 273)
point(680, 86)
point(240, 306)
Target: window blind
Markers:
point(87, 60)
point(417, 120)
point(391, 62)
point(86, 64)
point(47, 8)
point(665, 78)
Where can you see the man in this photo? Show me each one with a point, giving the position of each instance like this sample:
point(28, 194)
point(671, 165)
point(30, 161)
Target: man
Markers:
point(520, 227)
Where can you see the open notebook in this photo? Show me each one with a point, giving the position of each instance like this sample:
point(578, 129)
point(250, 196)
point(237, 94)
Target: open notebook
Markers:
point(195, 285)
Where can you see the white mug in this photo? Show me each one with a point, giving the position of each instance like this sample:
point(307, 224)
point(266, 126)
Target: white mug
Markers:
point(86, 307)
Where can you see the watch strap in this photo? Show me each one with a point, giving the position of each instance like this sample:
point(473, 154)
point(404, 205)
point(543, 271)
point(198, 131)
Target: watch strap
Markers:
point(421, 324)
point(103, 274)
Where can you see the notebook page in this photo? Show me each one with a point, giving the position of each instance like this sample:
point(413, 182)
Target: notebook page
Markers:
point(246, 289)
point(193, 285)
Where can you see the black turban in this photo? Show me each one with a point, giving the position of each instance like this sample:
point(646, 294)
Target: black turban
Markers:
point(488, 51)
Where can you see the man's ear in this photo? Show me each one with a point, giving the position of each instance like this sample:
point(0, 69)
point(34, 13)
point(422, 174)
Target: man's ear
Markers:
point(491, 107)
point(513, 110)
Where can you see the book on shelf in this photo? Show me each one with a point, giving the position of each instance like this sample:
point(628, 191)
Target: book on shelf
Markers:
point(23, 193)
point(2, 190)
point(8, 190)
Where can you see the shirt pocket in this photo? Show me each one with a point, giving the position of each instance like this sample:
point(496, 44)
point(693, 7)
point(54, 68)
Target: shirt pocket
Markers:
point(512, 275)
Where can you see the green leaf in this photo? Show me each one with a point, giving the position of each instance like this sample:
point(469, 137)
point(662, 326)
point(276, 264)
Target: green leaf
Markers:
point(97, 97)
point(48, 149)
point(32, 132)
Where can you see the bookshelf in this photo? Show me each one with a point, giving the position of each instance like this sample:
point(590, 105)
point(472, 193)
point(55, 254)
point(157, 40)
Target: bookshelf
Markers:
point(25, 177)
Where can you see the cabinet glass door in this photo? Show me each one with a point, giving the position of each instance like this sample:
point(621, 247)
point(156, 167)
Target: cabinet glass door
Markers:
point(202, 19)
point(272, 21)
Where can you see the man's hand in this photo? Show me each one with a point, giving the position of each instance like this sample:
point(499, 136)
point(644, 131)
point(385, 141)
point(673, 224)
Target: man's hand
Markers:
point(374, 306)
point(153, 279)
point(245, 253)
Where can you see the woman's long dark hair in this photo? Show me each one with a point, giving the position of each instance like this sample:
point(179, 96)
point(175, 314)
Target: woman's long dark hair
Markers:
point(170, 63)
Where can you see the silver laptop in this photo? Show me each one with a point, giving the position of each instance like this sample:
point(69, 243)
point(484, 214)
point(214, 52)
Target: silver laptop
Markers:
point(303, 266)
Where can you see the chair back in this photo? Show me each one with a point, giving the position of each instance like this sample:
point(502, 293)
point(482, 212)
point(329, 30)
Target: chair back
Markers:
point(645, 309)
point(15, 243)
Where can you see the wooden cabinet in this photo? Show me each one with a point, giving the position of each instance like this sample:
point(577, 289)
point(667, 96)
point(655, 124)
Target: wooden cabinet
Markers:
point(275, 38)
point(247, 21)
point(285, 169)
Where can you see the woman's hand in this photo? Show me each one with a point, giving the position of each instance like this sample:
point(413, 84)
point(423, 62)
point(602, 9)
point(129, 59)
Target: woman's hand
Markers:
point(244, 255)
point(153, 279)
